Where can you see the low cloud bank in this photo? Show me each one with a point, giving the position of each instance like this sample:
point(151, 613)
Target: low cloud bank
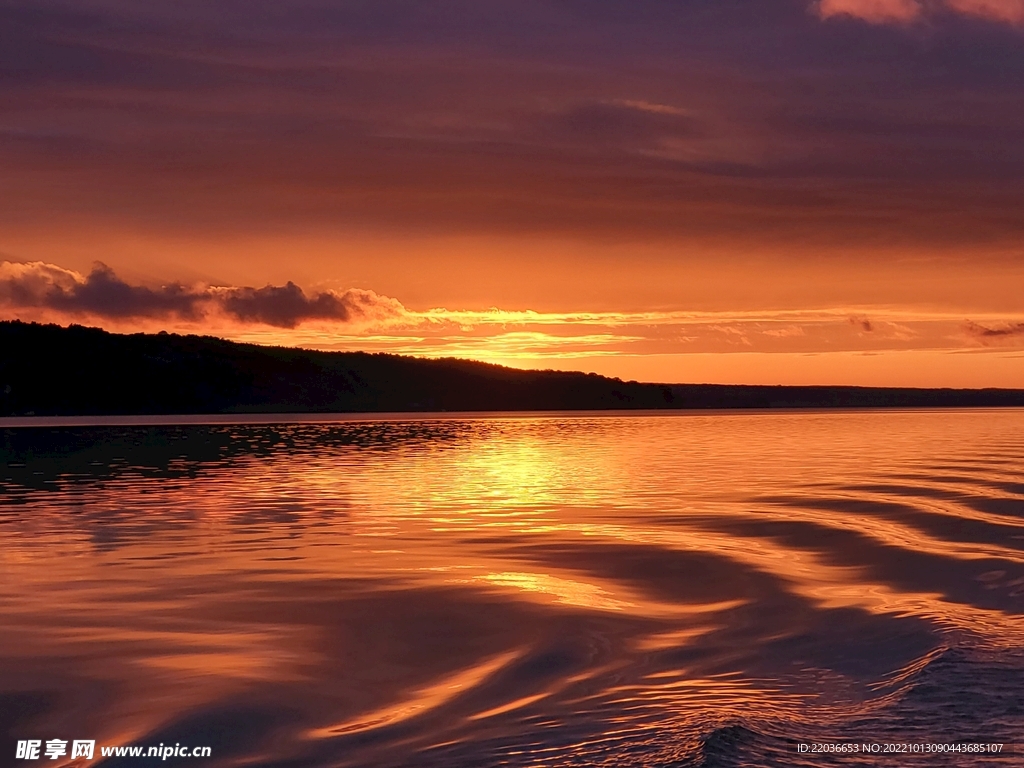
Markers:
point(102, 294)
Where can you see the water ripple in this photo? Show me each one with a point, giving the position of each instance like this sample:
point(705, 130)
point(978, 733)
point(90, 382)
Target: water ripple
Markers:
point(574, 590)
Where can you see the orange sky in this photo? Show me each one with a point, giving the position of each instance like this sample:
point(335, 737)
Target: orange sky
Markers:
point(794, 193)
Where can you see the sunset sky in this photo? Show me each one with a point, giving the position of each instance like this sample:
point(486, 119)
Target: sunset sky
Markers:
point(781, 191)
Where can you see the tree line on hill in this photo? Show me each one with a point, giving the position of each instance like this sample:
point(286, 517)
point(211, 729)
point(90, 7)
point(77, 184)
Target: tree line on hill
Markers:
point(53, 370)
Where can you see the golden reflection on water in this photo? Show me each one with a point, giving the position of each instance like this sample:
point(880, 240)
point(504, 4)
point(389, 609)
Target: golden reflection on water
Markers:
point(419, 701)
point(562, 589)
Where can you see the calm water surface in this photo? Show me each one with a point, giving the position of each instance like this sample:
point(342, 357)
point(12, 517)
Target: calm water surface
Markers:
point(559, 590)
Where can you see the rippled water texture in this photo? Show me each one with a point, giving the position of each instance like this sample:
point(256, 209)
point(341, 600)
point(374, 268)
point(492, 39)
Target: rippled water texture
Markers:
point(555, 590)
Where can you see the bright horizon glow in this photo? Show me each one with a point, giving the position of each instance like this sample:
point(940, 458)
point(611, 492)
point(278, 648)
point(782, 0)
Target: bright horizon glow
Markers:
point(858, 345)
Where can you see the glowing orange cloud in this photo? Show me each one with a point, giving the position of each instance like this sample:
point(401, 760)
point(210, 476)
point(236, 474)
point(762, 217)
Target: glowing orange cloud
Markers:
point(1011, 11)
point(889, 11)
point(875, 11)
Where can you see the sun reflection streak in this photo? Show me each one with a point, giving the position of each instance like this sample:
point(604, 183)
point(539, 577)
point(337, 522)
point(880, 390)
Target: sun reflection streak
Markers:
point(418, 702)
point(566, 591)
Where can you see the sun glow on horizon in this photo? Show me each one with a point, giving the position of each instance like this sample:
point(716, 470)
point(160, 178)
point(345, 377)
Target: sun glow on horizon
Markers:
point(881, 344)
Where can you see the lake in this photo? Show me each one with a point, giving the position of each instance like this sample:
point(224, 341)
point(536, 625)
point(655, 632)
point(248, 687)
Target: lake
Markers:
point(682, 589)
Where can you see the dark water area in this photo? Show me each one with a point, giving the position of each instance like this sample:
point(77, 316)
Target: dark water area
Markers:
point(551, 590)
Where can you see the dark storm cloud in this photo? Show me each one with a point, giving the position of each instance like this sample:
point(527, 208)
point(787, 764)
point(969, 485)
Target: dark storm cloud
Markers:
point(654, 117)
point(284, 306)
point(103, 294)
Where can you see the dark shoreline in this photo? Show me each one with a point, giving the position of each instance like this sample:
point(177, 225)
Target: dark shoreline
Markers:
point(145, 420)
point(49, 370)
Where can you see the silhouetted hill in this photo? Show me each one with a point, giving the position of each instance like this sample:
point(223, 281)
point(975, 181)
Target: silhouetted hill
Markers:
point(51, 370)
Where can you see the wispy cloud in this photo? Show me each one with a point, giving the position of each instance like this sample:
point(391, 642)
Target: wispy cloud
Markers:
point(999, 333)
point(903, 11)
point(1011, 11)
point(874, 11)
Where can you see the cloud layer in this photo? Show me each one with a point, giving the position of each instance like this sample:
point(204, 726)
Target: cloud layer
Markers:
point(728, 121)
point(102, 294)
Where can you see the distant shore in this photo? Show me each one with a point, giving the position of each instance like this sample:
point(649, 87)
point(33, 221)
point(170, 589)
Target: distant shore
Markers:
point(276, 419)
point(53, 371)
